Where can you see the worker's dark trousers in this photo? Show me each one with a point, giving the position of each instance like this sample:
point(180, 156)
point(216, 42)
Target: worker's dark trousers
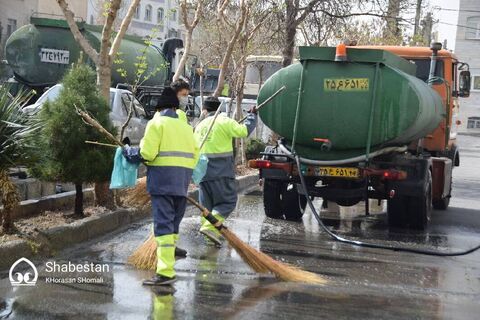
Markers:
point(167, 212)
point(219, 195)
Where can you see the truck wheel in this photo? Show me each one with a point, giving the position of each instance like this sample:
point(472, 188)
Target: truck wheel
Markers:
point(272, 198)
point(293, 203)
point(420, 208)
point(411, 212)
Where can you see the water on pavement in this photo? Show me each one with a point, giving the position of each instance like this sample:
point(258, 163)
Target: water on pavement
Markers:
point(216, 284)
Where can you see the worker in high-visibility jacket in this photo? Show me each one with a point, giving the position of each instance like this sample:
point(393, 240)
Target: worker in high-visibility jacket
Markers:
point(218, 192)
point(170, 152)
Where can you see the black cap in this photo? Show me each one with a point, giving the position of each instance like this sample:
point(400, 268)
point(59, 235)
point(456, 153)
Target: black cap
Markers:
point(168, 99)
point(211, 103)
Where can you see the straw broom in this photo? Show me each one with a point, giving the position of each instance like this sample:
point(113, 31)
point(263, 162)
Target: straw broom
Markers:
point(145, 256)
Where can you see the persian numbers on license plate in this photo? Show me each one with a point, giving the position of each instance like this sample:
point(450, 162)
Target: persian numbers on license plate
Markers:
point(337, 172)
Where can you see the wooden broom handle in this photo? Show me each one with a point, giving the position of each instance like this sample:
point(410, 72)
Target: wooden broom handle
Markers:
point(207, 214)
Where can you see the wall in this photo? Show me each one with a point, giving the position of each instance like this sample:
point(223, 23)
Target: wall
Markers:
point(467, 49)
point(78, 7)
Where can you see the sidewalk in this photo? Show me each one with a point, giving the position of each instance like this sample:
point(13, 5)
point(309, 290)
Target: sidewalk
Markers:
point(46, 242)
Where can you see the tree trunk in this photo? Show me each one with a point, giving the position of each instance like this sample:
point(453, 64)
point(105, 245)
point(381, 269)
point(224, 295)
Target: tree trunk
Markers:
point(78, 200)
point(418, 13)
point(103, 195)
point(290, 33)
point(392, 30)
point(10, 200)
point(104, 79)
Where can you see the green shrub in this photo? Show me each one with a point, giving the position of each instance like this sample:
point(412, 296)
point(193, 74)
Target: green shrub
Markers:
point(63, 155)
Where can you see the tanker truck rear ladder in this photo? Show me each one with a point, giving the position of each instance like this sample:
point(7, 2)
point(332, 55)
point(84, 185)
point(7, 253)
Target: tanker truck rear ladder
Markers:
point(411, 177)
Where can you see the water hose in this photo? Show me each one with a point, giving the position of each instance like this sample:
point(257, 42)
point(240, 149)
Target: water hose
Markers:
point(373, 245)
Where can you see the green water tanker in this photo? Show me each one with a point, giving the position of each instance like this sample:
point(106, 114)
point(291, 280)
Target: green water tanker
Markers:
point(41, 52)
point(359, 124)
point(337, 100)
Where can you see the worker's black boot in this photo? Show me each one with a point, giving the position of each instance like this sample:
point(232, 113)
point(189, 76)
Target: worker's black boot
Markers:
point(159, 280)
point(180, 253)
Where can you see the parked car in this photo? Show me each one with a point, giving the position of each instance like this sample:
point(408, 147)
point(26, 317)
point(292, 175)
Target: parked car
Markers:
point(120, 100)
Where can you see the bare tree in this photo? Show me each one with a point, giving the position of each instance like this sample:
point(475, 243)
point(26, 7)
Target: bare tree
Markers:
point(236, 27)
point(295, 14)
point(190, 27)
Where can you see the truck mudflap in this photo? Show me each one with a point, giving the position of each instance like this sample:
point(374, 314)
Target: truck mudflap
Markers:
point(441, 178)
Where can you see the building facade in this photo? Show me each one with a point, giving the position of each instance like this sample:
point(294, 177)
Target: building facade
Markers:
point(467, 48)
point(157, 18)
point(16, 13)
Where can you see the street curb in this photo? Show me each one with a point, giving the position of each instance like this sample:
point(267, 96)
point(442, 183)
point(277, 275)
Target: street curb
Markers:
point(63, 236)
point(64, 200)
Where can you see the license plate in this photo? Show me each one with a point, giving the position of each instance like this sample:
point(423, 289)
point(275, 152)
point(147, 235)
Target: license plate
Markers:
point(346, 84)
point(337, 172)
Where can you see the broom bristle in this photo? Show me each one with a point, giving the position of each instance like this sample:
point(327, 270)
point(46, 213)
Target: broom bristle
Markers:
point(145, 257)
point(263, 263)
point(138, 196)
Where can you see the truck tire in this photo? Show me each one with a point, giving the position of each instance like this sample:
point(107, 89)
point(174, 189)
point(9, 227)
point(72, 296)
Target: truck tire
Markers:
point(293, 204)
point(420, 208)
point(411, 212)
point(272, 198)
point(282, 201)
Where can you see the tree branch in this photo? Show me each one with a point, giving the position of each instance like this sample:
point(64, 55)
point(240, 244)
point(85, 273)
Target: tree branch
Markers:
point(308, 9)
point(77, 35)
point(112, 9)
point(188, 38)
point(123, 28)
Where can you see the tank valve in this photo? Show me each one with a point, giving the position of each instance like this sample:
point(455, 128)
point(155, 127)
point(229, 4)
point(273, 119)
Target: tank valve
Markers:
point(326, 144)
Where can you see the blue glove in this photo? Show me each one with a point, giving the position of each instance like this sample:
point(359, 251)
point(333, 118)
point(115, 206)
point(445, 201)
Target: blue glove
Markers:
point(132, 154)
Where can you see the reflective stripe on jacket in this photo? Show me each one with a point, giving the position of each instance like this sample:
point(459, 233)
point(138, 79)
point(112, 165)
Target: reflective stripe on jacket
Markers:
point(168, 141)
point(219, 142)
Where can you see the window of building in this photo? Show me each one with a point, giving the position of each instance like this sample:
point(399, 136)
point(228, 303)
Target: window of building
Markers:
point(91, 19)
point(476, 83)
point(148, 13)
point(473, 123)
point(173, 15)
point(137, 12)
point(473, 28)
point(11, 26)
point(160, 15)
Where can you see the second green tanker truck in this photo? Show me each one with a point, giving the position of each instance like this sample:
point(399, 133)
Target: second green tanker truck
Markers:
point(41, 52)
point(365, 123)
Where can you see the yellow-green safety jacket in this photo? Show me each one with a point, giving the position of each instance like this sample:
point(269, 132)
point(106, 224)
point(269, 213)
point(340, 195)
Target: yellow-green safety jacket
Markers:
point(219, 145)
point(169, 149)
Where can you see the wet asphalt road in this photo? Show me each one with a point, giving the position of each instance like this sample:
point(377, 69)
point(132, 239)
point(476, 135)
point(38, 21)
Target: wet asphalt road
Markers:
point(216, 284)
